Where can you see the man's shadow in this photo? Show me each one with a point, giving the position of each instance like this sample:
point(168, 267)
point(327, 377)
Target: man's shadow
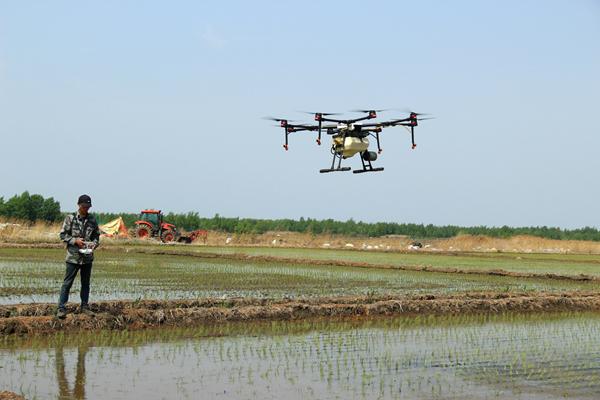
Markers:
point(64, 390)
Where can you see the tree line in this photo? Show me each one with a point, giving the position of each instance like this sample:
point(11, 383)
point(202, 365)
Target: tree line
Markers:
point(34, 207)
point(30, 207)
point(192, 220)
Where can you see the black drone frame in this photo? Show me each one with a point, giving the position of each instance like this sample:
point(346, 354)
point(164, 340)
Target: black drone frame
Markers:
point(363, 130)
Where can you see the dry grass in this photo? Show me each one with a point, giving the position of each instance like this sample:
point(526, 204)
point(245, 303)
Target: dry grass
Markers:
point(12, 231)
point(15, 232)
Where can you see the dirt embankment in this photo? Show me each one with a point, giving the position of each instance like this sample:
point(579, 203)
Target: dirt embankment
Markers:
point(120, 315)
point(4, 395)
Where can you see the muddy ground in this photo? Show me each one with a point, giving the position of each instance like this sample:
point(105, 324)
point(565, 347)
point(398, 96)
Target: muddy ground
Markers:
point(119, 315)
point(4, 395)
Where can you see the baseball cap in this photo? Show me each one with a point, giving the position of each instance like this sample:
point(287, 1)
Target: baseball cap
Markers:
point(84, 199)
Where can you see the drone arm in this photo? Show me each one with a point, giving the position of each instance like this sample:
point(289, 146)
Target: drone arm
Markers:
point(412, 131)
point(413, 123)
point(319, 137)
point(382, 125)
point(285, 146)
point(386, 124)
point(324, 119)
point(397, 122)
point(360, 119)
point(288, 128)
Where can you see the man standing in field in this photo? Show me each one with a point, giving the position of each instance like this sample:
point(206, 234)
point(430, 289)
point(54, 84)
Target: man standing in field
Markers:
point(81, 234)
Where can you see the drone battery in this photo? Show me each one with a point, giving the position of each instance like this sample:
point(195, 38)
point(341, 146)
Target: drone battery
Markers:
point(369, 156)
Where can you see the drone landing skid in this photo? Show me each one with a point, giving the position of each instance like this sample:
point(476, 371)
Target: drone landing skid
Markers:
point(336, 157)
point(366, 164)
point(360, 171)
point(342, 169)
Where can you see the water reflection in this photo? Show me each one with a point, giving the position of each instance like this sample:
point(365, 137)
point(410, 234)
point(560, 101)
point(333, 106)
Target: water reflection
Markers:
point(64, 388)
point(508, 357)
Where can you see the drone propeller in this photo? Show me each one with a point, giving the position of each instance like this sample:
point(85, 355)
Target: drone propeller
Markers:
point(282, 122)
point(372, 113)
point(278, 119)
point(317, 112)
point(409, 111)
point(366, 111)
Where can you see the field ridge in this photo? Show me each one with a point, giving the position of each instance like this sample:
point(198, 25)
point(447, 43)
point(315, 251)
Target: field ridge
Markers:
point(132, 315)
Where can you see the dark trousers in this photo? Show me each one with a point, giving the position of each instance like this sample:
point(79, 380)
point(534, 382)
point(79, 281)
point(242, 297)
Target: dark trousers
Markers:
point(70, 274)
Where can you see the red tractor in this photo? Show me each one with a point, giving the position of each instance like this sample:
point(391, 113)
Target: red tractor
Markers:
point(151, 225)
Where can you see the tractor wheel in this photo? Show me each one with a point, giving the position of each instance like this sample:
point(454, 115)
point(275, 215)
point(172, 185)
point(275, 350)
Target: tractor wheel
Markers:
point(168, 236)
point(143, 232)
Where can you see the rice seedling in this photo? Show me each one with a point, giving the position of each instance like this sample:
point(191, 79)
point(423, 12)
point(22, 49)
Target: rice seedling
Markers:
point(569, 264)
point(140, 276)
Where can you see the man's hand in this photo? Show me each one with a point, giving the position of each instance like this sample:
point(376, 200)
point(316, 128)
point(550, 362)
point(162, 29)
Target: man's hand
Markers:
point(79, 243)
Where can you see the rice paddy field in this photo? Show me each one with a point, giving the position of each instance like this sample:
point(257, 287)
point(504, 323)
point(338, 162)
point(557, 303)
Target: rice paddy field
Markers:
point(510, 356)
point(242, 350)
point(28, 276)
point(568, 264)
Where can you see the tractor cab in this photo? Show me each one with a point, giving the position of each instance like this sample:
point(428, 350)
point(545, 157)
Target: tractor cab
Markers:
point(153, 217)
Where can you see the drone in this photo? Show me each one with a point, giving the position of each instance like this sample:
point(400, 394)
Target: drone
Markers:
point(351, 136)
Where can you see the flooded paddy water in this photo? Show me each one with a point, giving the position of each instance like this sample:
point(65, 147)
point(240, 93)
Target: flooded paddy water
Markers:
point(511, 356)
point(192, 327)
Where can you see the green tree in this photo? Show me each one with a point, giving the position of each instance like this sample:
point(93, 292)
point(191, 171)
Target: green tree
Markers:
point(31, 208)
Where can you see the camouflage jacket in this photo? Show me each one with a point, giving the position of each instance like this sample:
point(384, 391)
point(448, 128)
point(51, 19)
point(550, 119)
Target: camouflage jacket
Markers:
point(76, 227)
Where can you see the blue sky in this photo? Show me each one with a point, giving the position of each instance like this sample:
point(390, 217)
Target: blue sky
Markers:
point(155, 104)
